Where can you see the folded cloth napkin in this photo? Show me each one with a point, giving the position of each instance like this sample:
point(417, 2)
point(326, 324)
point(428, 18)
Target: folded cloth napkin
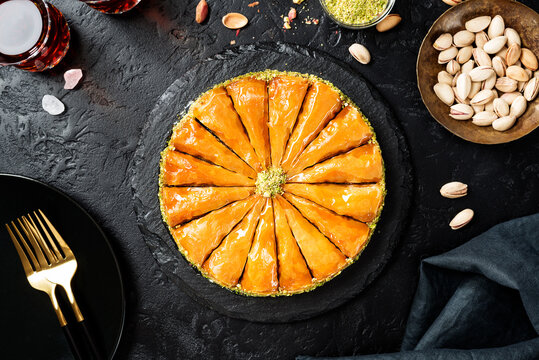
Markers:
point(478, 301)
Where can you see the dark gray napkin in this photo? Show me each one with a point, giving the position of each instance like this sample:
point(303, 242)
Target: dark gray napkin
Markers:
point(478, 301)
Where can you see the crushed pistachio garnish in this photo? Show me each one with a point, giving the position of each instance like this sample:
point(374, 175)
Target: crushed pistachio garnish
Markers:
point(354, 12)
point(269, 182)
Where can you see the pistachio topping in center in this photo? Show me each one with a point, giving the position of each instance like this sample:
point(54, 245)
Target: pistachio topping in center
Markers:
point(269, 182)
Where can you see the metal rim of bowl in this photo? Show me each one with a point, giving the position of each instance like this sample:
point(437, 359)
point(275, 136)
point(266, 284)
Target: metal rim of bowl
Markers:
point(385, 13)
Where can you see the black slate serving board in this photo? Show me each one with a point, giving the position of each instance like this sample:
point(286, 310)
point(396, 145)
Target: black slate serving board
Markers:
point(157, 131)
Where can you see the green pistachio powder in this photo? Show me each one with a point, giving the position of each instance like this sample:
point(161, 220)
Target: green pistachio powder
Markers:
point(355, 11)
point(269, 182)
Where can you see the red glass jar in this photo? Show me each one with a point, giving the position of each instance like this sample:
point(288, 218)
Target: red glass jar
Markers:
point(21, 25)
point(112, 6)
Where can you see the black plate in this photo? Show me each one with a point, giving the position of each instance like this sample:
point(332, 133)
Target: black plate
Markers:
point(29, 327)
point(258, 58)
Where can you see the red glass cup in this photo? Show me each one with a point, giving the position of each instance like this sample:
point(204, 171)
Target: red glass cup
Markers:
point(34, 35)
point(112, 6)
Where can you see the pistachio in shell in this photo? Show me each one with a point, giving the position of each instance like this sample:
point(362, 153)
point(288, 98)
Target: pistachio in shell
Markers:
point(477, 24)
point(461, 219)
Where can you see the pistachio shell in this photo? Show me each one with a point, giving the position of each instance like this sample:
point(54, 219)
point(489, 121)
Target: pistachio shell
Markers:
point(512, 37)
point(496, 27)
point(464, 54)
point(499, 66)
point(501, 108)
point(504, 123)
point(360, 53)
point(463, 38)
point(460, 100)
point(234, 21)
point(521, 85)
point(477, 24)
point(482, 97)
point(454, 189)
point(481, 73)
point(461, 219)
point(528, 59)
point(513, 54)
point(484, 118)
point(453, 67)
point(468, 66)
point(489, 83)
point(518, 107)
point(461, 112)
point(452, 2)
point(444, 93)
point(443, 42)
point(530, 92)
point(447, 55)
point(495, 44)
point(464, 85)
point(445, 78)
point(502, 53)
point(489, 106)
point(481, 57)
point(389, 22)
point(505, 84)
point(509, 97)
point(478, 108)
point(481, 39)
point(454, 83)
point(517, 73)
point(476, 87)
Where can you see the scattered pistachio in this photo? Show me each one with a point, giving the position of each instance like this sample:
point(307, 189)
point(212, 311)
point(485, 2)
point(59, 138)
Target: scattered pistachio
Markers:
point(389, 22)
point(454, 190)
point(461, 219)
point(360, 53)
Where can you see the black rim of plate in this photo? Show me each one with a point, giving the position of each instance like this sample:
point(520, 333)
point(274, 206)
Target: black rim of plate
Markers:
point(157, 131)
point(107, 242)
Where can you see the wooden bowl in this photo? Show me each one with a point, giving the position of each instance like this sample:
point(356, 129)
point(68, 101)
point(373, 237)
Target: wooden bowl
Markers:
point(517, 16)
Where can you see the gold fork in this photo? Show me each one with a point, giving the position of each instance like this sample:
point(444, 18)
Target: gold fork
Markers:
point(55, 266)
point(35, 273)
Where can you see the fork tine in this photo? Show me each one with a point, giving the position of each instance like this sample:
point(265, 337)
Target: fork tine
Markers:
point(25, 225)
point(41, 240)
point(57, 236)
point(24, 260)
point(27, 247)
point(51, 241)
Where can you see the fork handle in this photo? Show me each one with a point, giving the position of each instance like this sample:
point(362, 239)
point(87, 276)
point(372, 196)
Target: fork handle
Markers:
point(96, 354)
point(72, 343)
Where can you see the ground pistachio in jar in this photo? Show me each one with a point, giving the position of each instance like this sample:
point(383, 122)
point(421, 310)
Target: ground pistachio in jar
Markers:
point(353, 12)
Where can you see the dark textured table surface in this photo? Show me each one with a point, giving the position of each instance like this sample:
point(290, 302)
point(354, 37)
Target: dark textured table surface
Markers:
point(130, 60)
